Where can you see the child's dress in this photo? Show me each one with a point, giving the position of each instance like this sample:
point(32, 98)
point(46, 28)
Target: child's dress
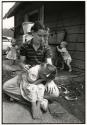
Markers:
point(12, 54)
point(65, 54)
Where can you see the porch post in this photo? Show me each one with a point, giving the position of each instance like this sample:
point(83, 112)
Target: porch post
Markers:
point(26, 18)
point(42, 14)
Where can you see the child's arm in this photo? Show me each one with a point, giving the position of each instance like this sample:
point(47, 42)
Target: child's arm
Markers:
point(60, 50)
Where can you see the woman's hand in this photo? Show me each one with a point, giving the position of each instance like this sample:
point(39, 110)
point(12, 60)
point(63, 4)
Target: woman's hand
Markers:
point(51, 87)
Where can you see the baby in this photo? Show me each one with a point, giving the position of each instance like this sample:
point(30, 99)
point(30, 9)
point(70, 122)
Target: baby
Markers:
point(65, 54)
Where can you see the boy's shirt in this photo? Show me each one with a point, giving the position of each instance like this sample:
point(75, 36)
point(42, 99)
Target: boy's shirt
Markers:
point(35, 57)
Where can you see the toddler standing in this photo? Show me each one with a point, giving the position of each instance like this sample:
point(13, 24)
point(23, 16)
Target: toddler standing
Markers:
point(12, 52)
point(65, 54)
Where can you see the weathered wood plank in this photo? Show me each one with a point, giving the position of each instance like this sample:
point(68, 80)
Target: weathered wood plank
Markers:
point(76, 46)
point(75, 29)
point(76, 37)
point(79, 64)
point(77, 69)
point(77, 55)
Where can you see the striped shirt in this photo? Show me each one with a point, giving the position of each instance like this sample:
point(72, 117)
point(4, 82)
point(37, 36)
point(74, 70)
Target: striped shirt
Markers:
point(35, 57)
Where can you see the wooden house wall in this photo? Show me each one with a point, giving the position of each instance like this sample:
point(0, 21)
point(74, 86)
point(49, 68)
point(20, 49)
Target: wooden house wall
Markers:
point(23, 10)
point(72, 19)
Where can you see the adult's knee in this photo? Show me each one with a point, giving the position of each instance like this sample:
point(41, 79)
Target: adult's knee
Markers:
point(5, 86)
point(10, 84)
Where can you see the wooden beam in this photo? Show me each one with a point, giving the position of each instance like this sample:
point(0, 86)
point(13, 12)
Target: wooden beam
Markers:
point(42, 14)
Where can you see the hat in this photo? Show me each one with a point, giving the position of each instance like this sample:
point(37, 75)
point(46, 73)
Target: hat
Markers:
point(27, 27)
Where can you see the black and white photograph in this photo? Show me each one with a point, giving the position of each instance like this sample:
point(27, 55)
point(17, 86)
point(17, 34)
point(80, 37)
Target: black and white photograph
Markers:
point(43, 62)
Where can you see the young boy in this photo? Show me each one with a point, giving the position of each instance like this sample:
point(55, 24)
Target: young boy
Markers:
point(65, 54)
point(32, 86)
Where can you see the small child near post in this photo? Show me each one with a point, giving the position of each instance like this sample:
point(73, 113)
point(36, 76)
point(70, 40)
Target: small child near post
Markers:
point(12, 52)
point(65, 54)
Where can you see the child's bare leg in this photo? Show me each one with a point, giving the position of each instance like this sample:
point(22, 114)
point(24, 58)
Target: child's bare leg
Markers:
point(68, 64)
point(62, 66)
point(44, 105)
point(32, 90)
point(36, 111)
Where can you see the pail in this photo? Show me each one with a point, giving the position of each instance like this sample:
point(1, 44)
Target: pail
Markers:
point(27, 27)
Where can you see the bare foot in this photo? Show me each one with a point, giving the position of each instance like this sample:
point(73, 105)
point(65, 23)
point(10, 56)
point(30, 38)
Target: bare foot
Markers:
point(70, 70)
point(62, 68)
point(36, 111)
point(44, 105)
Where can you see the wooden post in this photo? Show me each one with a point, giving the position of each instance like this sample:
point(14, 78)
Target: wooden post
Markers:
point(42, 14)
point(26, 18)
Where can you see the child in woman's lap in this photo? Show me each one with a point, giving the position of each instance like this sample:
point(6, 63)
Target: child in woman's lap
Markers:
point(32, 88)
point(12, 52)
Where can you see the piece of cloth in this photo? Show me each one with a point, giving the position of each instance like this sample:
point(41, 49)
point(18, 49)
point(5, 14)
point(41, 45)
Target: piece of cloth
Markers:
point(35, 57)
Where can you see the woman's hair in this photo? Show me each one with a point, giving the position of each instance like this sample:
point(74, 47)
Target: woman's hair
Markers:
point(37, 26)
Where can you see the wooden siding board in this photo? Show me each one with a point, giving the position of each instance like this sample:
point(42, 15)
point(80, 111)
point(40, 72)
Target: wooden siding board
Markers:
point(79, 64)
point(76, 46)
point(71, 21)
point(70, 38)
point(76, 69)
point(78, 20)
point(77, 55)
point(78, 29)
point(76, 37)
